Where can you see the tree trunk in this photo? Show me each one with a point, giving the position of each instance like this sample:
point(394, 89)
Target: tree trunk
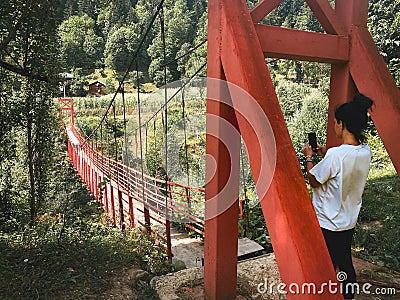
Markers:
point(31, 169)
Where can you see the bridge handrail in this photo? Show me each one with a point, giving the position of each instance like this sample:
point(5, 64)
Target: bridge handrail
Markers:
point(143, 187)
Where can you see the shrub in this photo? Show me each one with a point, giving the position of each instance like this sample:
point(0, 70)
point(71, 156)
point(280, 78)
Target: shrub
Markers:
point(312, 117)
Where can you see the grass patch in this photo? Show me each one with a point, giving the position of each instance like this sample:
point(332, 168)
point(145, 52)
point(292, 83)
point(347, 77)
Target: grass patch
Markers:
point(73, 252)
point(376, 237)
point(36, 266)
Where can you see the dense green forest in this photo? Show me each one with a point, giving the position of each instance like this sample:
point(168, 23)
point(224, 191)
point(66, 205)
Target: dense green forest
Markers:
point(103, 36)
point(53, 236)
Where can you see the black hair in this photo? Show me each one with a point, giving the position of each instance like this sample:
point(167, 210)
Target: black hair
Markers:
point(354, 115)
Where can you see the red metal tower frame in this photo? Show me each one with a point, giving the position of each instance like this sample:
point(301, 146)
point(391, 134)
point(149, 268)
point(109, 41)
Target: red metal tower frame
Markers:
point(237, 47)
point(67, 104)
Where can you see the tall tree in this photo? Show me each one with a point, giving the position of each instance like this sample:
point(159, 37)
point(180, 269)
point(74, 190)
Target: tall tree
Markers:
point(7, 151)
point(80, 46)
point(28, 81)
point(114, 14)
point(384, 24)
point(199, 56)
point(120, 48)
point(177, 20)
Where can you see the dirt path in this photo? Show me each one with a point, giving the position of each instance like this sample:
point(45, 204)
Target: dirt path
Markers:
point(186, 249)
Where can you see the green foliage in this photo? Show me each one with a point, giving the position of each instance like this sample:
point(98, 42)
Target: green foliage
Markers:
point(79, 83)
point(7, 155)
point(311, 117)
point(179, 27)
point(96, 106)
point(80, 46)
point(291, 97)
point(121, 46)
point(115, 14)
point(253, 226)
point(380, 158)
point(384, 23)
point(145, 291)
point(199, 57)
point(28, 34)
point(72, 251)
point(121, 23)
point(376, 236)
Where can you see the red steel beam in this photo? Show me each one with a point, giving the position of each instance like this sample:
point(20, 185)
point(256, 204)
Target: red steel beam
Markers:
point(289, 43)
point(342, 86)
point(327, 17)
point(373, 78)
point(352, 12)
point(221, 232)
point(263, 8)
point(342, 89)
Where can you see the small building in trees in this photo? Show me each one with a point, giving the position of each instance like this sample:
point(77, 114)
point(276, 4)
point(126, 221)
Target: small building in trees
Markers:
point(97, 88)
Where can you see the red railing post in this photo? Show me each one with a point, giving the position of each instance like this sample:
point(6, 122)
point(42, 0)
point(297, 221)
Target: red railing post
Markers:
point(168, 235)
point(106, 197)
point(112, 204)
point(93, 182)
point(85, 169)
point(147, 223)
point(77, 160)
point(121, 210)
point(96, 183)
point(91, 177)
point(99, 180)
point(131, 213)
point(80, 163)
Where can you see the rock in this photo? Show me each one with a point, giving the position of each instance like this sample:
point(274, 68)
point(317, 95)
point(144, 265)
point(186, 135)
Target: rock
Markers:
point(167, 286)
point(251, 273)
point(179, 265)
point(142, 275)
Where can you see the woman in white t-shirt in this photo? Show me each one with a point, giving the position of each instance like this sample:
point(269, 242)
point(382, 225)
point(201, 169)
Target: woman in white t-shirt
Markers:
point(338, 181)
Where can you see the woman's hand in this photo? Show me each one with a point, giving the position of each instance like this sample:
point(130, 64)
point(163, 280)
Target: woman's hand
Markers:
point(321, 150)
point(307, 151)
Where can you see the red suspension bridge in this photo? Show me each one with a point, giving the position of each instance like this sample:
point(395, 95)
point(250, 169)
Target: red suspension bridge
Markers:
point(237, 47)
point(121, 188)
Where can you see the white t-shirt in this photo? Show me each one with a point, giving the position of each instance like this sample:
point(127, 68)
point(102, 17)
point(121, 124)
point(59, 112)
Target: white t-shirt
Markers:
point(342, 174)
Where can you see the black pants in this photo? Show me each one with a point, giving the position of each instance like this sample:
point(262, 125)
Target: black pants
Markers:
point(339, 246)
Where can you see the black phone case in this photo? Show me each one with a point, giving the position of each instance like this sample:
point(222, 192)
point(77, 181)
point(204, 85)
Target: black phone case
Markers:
point(312, 139)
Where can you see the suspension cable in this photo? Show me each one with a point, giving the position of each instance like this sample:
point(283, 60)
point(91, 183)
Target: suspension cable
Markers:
point(159, 7)
point(115, 140)
point(165, 103)
point(140, 129)
point(191, 50)
point(185, 135)
point(244, 204)
point(125, 136)
point(101, 145)
point(146, 148)
point(155, 145)
point(162, 107)
point(167, 222)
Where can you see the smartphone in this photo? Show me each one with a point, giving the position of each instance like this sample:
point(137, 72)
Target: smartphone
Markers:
point(312, 140)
